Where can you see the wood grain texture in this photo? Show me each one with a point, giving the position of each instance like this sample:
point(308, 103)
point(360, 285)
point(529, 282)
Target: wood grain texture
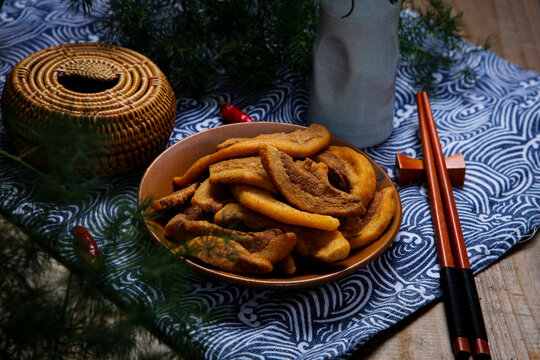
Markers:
point(509, 290)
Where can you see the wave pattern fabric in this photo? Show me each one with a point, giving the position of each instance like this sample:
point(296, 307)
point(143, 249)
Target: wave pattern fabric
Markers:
point(495, 124)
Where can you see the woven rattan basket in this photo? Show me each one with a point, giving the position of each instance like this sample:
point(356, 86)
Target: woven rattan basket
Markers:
point(120, 95)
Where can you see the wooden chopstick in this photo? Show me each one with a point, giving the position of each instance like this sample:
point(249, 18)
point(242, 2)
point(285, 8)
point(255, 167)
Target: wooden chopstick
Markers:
point(473, 310)
point(452, 292)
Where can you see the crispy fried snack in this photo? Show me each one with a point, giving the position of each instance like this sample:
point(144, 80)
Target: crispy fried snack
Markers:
point(277, 248)
point(235, 213)
point(193, 212)
point(175, 199)
point(362, 231)
point(257, 241)
point(211, 196)
point(296, 207)
point(272, 244)
point(248, 170)
point(304, 190)
point(225, 254)
point(263, 202)
point(287, 266)
point(350, 226)
point(327, 246)
point(351, 171)
point(319, 169)
point(299, 143)
point(181, 228)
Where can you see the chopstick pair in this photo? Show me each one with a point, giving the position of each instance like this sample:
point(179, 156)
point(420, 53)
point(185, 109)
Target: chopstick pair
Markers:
point(463, 312)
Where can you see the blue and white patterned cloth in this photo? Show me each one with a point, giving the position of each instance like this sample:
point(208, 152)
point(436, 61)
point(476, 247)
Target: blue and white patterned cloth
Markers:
point(495, 124)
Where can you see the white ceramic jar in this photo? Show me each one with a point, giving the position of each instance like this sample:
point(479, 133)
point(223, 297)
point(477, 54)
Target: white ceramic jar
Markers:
point(354, 69)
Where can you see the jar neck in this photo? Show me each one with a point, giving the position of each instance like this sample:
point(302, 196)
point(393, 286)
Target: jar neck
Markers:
point(361, 10)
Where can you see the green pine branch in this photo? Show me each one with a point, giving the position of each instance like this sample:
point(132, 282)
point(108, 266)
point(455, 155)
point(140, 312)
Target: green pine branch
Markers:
point(251, 41)
point(87, 319)
point(80, 316)
point(51, 313)
point(431, 43)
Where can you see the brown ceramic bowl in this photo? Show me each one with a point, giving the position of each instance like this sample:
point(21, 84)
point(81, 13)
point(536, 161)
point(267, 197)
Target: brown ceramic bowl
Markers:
point(157, 182)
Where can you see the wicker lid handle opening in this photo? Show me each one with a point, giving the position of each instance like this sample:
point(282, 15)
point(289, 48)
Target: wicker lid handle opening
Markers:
point(88, 76)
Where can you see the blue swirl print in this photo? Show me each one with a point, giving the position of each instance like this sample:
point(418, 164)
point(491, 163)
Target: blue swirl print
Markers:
point(494, 122)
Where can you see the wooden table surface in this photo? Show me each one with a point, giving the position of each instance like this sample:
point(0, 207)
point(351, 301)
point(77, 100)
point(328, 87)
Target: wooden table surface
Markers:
point(509, 290)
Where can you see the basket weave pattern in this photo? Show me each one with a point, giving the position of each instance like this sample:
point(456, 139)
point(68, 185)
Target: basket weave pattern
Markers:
point(132, 111)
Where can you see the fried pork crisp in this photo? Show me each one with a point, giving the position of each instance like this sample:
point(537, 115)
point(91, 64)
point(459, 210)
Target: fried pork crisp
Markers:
point(176, 199)
point(211, 196)
point(236, 213)
point(225, 254)
point(305, 190)
point(270, 244)
point(319, 169)
point(362, 231)
point(351, 171)
point(264, 203)
point(248, 171)
point(326, 246)
point(180, 228)
point(299, 143)
point(277, 248)
point(276, 201)
point(287, 266)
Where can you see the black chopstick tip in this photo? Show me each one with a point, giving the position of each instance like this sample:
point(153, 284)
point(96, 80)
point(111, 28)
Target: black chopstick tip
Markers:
point(462, 350)
point(482, 357)
point(462, 355)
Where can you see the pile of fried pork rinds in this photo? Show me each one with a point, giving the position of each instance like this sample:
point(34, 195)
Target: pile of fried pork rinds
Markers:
point(262, 204)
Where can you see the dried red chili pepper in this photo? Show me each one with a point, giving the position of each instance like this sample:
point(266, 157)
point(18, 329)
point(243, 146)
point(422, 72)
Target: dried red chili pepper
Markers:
point(232, 114)
point(229, 112)
point(87, 245)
